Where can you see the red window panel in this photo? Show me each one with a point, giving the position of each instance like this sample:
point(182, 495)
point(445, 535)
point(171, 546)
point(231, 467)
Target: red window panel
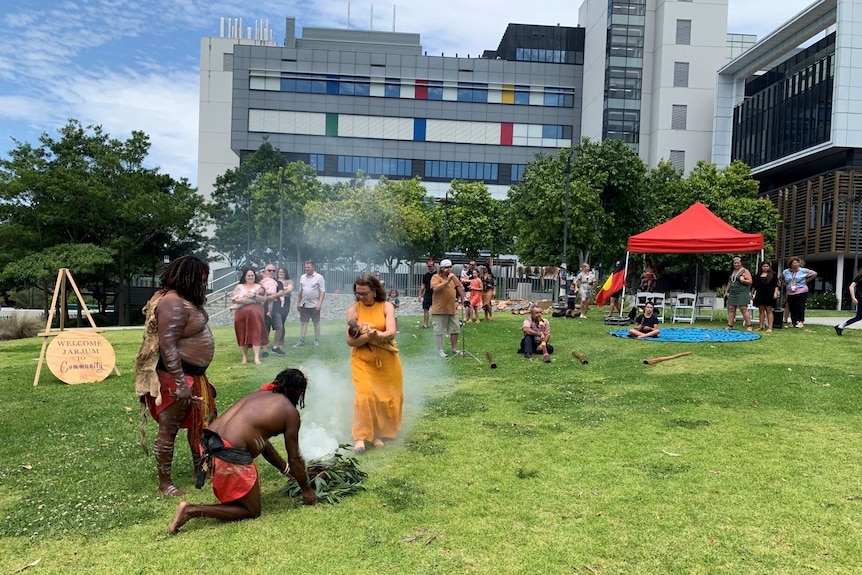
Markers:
point(506, 130)
point(421, 89)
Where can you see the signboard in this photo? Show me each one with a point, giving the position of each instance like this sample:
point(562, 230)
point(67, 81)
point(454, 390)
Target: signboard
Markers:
point(79, 356)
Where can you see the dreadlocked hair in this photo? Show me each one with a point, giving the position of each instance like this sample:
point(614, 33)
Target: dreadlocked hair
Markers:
point(292, 384)
point(188, 275)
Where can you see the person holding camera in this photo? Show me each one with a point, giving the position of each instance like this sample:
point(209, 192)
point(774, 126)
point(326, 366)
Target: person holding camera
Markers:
point(445, 286)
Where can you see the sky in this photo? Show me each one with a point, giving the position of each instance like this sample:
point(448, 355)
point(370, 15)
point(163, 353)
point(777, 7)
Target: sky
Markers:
point(134, 65)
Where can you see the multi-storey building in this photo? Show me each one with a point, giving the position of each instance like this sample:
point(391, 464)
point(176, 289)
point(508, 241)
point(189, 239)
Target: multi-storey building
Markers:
point(649, 74)
point(348, 100)
point(791, 108)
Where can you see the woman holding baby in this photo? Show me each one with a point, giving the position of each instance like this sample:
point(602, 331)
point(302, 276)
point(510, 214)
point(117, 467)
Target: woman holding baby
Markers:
point(374, 364)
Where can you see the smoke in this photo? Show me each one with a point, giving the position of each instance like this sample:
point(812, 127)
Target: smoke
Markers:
point(328, 413)
point(327, 418)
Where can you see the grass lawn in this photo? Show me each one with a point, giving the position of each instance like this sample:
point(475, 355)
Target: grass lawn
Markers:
point(741, 458)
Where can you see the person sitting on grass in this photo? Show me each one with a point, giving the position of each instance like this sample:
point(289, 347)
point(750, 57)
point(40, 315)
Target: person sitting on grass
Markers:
point(236, 437)
point(646, 324)
point(537, 332)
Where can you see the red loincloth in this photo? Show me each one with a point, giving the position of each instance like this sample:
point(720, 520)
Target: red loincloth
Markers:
point(199, 415)
point(232, 481)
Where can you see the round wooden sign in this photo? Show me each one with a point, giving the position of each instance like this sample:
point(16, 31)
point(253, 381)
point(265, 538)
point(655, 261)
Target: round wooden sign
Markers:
point(77, 356)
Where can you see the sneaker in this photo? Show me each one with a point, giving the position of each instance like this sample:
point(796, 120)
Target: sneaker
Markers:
point(839, 330)
point(316, 343)
point(442, 353)
point(456, 352)
point(546, 359)
point(799, 325)
point(300, 343)
point(264, 354)
point(277, 351)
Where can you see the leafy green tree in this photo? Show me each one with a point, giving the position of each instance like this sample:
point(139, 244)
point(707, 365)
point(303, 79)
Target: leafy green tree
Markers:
point(730, 193)
point(234, 207)
point(391, 221)
point(473, 219)
point(278, 202)
point(608, 200)
point(85, 187)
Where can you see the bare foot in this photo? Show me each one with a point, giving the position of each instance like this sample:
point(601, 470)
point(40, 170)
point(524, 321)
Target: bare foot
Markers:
point(180, 518)
point(359, 447)
point(257, 362)
point(379, 443)
point(244, 360)
point(170, 490)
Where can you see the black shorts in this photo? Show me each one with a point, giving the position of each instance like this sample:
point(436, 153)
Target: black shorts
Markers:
point(426, 301)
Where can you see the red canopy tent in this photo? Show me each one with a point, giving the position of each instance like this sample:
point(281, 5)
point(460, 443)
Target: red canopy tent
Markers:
point(695, 231)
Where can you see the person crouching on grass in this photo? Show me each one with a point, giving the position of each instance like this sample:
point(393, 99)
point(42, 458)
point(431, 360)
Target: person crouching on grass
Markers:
point(646, 324)
point(239, 435)
point(537, 332)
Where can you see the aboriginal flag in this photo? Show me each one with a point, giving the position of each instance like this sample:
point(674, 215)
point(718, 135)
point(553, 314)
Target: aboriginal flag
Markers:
point(613, 284)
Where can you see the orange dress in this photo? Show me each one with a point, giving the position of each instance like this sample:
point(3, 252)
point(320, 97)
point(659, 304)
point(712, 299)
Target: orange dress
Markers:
point(378, 381)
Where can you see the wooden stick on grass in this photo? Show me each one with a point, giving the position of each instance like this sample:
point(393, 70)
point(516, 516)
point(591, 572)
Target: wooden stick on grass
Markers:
point(580, 357)
point(654, 360)
point(491, 360)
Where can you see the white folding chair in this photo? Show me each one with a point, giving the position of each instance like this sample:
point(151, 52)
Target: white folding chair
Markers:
point(659, 300)
point(705, 306)
point(683, 308)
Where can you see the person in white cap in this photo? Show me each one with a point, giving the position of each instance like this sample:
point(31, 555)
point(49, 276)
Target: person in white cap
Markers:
point(444, 288)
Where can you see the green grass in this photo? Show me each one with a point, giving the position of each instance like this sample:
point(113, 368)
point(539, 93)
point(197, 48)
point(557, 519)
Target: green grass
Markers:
point(741, 458)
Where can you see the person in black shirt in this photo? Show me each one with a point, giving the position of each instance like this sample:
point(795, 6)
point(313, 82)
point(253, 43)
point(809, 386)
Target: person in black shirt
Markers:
point(646, 324)
point(425, 294)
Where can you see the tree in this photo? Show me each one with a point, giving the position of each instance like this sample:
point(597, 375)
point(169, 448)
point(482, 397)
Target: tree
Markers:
point(233, 207)
point(473, 219)
point(391, 221)
point(730, 193)
point(85, 187)
point(609, 200)
point(278, 203)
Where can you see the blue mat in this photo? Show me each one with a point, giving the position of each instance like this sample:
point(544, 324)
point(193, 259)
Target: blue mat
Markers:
point(694, 334)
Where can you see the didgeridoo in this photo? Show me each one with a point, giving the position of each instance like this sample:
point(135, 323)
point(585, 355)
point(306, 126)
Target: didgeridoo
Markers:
point(580, 358)
point(654, 360)
point(491, 360)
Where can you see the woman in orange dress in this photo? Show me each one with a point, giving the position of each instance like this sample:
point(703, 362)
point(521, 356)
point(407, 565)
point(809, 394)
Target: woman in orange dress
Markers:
point(374, 365)
point(249, 321)
point(475, 293)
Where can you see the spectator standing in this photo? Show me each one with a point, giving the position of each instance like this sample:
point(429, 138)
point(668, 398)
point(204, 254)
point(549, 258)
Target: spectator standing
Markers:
point(312, 290)
point(489, 288)
point(585, 280)
point(425, 294)
point(445, 287)
point(795, 280)
point(249, 321)
point(764, 292)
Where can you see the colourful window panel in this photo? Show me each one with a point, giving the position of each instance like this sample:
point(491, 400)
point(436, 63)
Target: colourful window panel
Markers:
point(331, 124)
point(508, 93)
point(421, 89)
point(418, 129)
point(506, 129)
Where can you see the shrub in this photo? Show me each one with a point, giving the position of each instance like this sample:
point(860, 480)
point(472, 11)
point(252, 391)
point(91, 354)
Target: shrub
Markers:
point(19, 326)
point(826, 300)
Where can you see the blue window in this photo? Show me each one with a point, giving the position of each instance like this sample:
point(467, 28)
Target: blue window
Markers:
point(522, 95)
point(318, 87)
point(374, 166)
point(346, 88)
point(419, 129)
point(363, 87)
point(316, 161)
point(552, 131)
point(517, 172)
point(435, 90)
point(303, 85)
point(288, 85)
point(461, 170)
point(332, 85)
point(392, 89)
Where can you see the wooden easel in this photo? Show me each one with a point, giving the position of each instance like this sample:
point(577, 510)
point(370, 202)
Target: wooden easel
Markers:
point(60, 291)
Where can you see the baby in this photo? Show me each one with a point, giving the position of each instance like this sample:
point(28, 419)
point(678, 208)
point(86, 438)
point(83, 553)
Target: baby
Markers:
point(355, 329)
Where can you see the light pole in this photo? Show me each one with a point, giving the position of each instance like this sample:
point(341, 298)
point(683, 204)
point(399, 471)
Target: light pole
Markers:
point(280, 214)
point(568, 171)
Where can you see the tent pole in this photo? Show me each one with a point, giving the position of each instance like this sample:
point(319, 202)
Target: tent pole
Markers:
point(625, 282)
